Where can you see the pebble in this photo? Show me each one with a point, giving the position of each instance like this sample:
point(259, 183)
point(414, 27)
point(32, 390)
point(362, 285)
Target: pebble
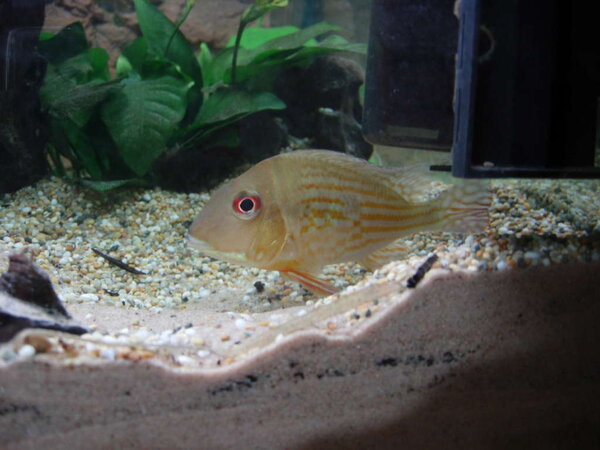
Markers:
point(26, 351)
point(184, 360)
point(539, 222)
point(108, 353)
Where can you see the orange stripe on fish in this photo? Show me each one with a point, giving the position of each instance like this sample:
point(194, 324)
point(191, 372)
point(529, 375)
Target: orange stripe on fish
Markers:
point(381, 229)
point(339, 188)
point(391, 207)
point(311, 200)
point(328, 214)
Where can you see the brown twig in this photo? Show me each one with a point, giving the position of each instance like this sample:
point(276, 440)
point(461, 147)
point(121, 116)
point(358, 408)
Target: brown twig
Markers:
point(118, 262)
point(421, 271)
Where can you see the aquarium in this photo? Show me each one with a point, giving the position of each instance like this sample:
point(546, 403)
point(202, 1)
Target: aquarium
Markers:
point(236, 222)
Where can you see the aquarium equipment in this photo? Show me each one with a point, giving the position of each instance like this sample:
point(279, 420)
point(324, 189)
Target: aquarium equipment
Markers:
point(510, 87)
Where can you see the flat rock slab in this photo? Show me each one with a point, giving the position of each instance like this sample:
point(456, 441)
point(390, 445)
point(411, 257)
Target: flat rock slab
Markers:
point(466, 360)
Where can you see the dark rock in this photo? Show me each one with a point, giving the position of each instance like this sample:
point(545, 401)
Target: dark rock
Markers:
point(262, 135)
point(23, 131)
point(195, 170)
point(323, 104)
point(28, 300)
point(25, 281)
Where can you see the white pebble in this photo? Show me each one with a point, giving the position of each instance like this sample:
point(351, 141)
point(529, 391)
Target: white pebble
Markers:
point(26, 351)
point(184, 360)
point(108, 353)
point(204, 293)
point(240, 323)
point(89, 297)
point(532, 255)
point(203, 353)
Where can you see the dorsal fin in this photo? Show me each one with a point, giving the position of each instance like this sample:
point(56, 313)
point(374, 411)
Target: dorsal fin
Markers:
point(414, 182)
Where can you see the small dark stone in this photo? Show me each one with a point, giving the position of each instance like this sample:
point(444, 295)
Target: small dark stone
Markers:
point(260, 286)
point(393, 362)
point(448, 357)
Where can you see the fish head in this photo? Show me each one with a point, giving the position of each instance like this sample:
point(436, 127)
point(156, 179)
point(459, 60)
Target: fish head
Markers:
point(241, 223)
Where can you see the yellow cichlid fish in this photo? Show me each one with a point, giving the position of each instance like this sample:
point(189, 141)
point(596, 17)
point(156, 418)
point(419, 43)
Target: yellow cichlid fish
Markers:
point(297, 212)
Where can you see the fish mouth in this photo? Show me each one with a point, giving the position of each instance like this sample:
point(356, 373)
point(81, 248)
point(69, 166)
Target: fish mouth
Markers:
point(209, 250)
point(198, 244)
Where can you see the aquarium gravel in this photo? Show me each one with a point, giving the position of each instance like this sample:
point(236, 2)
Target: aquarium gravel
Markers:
point(58, 224)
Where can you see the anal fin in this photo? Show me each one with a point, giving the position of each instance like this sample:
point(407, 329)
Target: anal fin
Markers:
point(312, 283)
point(395, 250)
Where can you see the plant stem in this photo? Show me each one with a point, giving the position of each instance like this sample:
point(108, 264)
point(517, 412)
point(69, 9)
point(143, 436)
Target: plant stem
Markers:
point(236, 47)
point(186, 12)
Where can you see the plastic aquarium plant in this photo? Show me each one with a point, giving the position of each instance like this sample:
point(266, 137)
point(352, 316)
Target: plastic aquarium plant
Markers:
point(108, 131)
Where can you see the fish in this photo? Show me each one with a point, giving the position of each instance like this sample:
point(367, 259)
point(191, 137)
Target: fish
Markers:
point(299, 211)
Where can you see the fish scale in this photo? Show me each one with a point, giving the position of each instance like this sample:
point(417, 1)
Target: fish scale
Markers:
point(319, 207)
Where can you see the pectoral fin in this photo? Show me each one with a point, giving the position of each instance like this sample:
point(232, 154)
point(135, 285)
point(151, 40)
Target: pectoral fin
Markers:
point(312, 283)
point(268, 241)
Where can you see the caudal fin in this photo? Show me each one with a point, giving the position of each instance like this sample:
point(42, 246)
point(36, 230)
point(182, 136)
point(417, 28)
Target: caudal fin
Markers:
point(465, 207)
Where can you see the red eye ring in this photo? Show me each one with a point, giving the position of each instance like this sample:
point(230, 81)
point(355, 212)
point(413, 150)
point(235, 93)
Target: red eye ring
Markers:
point(246, 205)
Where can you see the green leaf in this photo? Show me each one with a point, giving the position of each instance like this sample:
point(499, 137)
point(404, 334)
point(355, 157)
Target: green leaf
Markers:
point(103, 186)
point(259, 8)
point(295, 40)
point(98, 58)
point(274, 51)
point(83, 149)
point(225, 136)
point(205, 59)
point(133, 57)
point(69, 42)
point(158, 30)
point(256, 36)
point(142, 116)
point(228, 103)
point(74, 87)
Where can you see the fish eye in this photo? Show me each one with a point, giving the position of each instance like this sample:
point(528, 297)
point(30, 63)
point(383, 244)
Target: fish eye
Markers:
point(246, 205)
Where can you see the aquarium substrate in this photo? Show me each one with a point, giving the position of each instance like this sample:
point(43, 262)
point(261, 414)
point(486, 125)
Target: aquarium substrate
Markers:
point(192, 311)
